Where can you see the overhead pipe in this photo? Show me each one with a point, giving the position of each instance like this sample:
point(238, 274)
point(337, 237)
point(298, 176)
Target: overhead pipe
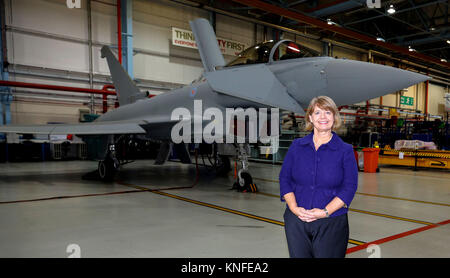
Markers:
point(105, 91)
point(342, 31)
point(55, 87)
point(105, 98)
point(23, 96)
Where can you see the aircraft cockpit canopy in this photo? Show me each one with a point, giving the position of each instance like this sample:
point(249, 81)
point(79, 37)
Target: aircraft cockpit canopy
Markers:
point(271, 51)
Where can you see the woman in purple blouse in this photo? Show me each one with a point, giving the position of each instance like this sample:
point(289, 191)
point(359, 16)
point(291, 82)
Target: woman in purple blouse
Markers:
point(318, 181)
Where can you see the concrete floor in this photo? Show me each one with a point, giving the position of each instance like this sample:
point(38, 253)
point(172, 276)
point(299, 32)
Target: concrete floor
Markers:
point(405, 213)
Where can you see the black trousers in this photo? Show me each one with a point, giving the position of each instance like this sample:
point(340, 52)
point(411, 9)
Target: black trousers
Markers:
point(323, 238)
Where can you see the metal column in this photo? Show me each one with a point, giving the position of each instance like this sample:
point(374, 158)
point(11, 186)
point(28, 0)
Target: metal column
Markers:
point(91, 66)
point(127, 35)
point(5, 92)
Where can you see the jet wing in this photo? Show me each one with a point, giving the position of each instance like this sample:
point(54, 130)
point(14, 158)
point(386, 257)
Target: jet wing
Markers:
point(93, 128)
point(254, 83)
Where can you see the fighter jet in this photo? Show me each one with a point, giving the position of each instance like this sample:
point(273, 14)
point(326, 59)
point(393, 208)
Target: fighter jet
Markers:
point(281, 74)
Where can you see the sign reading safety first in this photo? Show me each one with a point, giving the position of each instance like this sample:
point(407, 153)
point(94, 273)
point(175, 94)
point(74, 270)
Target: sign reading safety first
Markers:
point(185, 38)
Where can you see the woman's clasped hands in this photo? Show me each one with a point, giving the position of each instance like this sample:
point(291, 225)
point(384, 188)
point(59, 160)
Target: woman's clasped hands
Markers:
point(309, 215)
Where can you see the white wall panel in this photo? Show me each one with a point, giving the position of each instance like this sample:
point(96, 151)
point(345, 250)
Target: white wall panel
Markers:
point(50, 16)
point(151, 37)
point(420, 100)
point(341, 52)
point(390, 100)
point(436, 100)
point(39, 112)
point(49, 53)
point(104, 22)
point(165, 13)
point(152, 29)
point(100, 65)
point(152, 23)
point(158, 67)
point(53, 17)
point(235, 29)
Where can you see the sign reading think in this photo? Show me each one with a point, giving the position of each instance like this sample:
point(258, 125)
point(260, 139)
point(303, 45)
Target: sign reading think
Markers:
point(407, 100)
point(185, 38)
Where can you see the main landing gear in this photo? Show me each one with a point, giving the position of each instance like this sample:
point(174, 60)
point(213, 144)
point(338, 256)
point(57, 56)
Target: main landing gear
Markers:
point(244, 181)
point(108, 167)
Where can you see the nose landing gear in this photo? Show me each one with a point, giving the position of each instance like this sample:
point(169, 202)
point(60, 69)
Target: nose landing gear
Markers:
point(244, 181)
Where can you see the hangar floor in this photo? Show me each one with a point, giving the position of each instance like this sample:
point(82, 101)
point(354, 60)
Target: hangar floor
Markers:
point(150, 211)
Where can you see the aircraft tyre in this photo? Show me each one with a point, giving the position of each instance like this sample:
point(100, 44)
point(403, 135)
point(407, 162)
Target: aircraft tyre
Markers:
point(107, 169)
point(245, 183)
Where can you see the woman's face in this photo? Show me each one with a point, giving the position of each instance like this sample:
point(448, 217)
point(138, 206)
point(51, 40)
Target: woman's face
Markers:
point(321, 119)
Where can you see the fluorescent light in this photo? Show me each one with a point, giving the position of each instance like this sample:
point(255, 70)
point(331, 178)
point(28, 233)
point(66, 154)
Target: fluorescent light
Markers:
point(293, 49)
point(391, 9)
point(448, 41)
point(443, 60)
point(329, 22)
point(411, 49)
point(380, 39)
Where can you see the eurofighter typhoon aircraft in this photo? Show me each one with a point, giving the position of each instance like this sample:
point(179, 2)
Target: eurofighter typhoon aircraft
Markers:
point(269, 75)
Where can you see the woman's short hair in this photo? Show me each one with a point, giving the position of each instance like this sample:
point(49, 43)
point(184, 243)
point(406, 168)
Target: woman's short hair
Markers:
point(325, 103)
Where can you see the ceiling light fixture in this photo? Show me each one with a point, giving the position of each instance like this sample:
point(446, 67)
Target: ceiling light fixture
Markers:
point(391, 9)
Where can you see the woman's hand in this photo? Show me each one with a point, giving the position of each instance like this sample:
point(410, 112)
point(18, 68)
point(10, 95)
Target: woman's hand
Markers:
point(302, 214)
point(314, 214)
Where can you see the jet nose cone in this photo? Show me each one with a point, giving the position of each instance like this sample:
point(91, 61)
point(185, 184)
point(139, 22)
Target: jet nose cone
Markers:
point(351, 81)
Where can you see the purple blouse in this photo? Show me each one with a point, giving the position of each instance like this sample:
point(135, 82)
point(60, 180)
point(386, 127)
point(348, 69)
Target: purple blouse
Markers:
point(316, 177)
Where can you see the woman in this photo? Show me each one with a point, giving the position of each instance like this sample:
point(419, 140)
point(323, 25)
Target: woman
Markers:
point(318, 181)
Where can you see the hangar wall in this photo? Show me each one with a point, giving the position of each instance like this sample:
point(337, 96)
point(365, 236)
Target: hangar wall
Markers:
point(436, 100)
point(45, 37)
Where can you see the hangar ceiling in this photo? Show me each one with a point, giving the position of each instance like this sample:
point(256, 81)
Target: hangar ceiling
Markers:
point(417, 34)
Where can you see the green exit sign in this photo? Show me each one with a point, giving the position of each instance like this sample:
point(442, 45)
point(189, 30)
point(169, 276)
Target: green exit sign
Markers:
point(407, 100)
